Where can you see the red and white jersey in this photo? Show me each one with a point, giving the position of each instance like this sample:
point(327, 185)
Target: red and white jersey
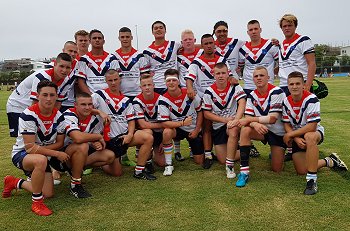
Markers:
point(45, 129)
point(292, 57)
point(222, 102)
point(298, 114)
point(24, 94)
point(119, 108)
point(230, 51)
point(70, 88)
point(201, 72)
point(184, 60)
point(177, 109)
point(93, 69)
point(161, 58)
point(251, 57)
point(132, 65)
point(92, 124)
point(261, 105)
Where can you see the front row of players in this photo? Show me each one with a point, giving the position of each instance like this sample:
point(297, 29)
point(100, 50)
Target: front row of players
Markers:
point(78, 139)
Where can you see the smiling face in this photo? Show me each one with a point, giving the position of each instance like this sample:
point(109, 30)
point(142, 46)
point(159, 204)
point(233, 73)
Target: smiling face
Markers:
point(172, 83)
point(260, 78)
point(125, 39)
point(158, 31)
point(221, 34)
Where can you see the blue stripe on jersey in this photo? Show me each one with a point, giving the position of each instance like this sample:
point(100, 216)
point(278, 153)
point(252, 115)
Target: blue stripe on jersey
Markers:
point(26, 117)
point(173, 111)
point(105, 68)
point(69, 82)
point(111, 108)
point(311, 100)
point(179, 60)
point(261, 56)
point(217, 104)
point(159, 59)
point(93, 125)
point(154, 117)
point(131, 64)
point(231, 47)
point(40, 76)
point(267, 109)
point(304, 38)
point(196, 62)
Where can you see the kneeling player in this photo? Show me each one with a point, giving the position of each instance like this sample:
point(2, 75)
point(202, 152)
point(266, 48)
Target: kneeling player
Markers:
point(301, 117)
point(262, 121)
point(181, 118)
point(224, 104)
point(41, 132)
point(122, 132)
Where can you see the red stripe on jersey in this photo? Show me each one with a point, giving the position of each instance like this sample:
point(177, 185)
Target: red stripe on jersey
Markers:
point(255, 49)
point(165, 117)
point(47, 120)
point(82, 74)
point(126, 56)
point(249, 110)
point(129, 116)
point(286, 42)
point(159, 48)
point(296, 106)
point(222, 46)
point(177, 100)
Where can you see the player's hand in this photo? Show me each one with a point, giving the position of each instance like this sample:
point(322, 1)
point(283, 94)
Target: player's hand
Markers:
point(193, 134)
point(307, 87)
point(103, 142)
point(287, 139)
point(97, 145)
point(233, 123)
point(300, 142)
point(187, 121)
point(127, 138)
point(243, 122)
point(233, 81)
point(191, 93)
point(275, 42)
point(62, 156)
point(261, 128)
point(105, 117)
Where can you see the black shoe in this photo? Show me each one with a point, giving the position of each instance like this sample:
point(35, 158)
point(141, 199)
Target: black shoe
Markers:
point(79, 192)
point(337, 162)
point(207, 163)
point(149, 168)
point(144, 176)
point(254, 152)
point(215, 158)
point(179, 157)
point(288, 157)
point(311, 187)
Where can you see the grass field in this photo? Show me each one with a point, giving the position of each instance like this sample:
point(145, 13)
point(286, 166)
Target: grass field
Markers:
point(197, 199)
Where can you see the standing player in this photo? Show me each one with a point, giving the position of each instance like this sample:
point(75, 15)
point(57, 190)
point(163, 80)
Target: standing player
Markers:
point(26, 92)
point(181, 118)
point(93, 65)
point(224, 104)
point(122, 128)
point(82, 40)
point(297, 53)
point(41, 133)
point(161, 55)
point(301, 117)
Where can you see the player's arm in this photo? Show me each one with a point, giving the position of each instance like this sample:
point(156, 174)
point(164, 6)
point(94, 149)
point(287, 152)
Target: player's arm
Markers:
point(176, 124)
point(83, 137)
point(311, 69)
point(309, 127)
point(131, 130)
point(82, 86)
point(215, 118)
point(271, 118)
point(58, 105)
point(105, 117)
point(58, 144)
point(143, 124)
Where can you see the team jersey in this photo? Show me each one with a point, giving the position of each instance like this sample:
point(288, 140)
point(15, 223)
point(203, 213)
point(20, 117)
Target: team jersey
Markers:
point(222, 102)
point(45, 129)
point(177, 109)
point(24, 94)
point(261, 105)
point(93, 69)
point(131, 65)
point(70, 86)
point(92, 124)
point(161, 58)
point(201, 72)
point(251, 57)
point(184, 60)
point(119, 108)
point(298, 114)
point(292, 57)
point(230, 51)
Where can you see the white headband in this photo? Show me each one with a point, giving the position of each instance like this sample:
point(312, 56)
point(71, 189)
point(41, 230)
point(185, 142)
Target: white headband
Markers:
point(169, 77)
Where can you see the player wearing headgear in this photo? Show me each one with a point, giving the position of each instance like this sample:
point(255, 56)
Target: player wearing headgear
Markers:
point(122, 132)
point(40, 135)
point(93, 65)
point(161, 55)
point(26, 92)
point(224, 104)
point(301, 117)
point(181, 118)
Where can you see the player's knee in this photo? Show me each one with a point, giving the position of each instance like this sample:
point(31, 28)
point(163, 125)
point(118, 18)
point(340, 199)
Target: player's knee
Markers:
point(311, 138)
point(40, 162)
point(82, 148)
point(167, 134)
point(110, 157)
point(245, 132)
point(233, 132)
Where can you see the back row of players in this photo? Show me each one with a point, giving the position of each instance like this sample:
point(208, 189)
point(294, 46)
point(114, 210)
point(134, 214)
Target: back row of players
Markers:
point(212, 105)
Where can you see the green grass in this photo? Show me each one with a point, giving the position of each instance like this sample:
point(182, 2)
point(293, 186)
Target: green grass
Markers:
point(197, 199)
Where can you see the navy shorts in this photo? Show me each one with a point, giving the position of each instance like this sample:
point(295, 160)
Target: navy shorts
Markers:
point(219, 136)
point(116, 145)
point(58, 165)
point(17, 160)
point(157, 138)
point(196, 144)
point(274, 140)
point(296, 148)
point(13, 118)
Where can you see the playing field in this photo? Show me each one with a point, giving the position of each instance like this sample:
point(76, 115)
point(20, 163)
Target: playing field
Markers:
point(194, 198)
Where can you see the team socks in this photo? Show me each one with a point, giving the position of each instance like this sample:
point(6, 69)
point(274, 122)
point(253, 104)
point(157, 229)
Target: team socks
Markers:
point(168, 152)
point(139, 169)
point(229, 163)
point(311, 176)
point(74, 182)
point(329, 162)
point(245, 150)
point(37, 197)
point(177, 146)
point(207, 154)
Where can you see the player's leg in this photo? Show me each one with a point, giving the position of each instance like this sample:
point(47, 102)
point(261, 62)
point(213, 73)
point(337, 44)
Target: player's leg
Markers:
point(168, 147)
point(232, 143)
point(207, 142)
point(197, 148)
point(277, 158)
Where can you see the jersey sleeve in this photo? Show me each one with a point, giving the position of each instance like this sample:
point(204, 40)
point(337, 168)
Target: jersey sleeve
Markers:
point(276, 102)
point(71, 122)
point(241, 58)
point(163, 111)
point(81, 69)
point(61, 127)
point(129, 112)
point(307, 47)
point(95, 100)
point(34, 92)
point(192, 72)
point(138, 111)
point(249, 107)
point(207, 101)
point(143, 64)
point(285, 117)
point(313, 110)
point(27, 125)
point(197, 103)
point(239, 93)
point(98, 129)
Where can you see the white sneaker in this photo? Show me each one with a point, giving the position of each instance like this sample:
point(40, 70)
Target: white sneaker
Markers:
point(230, 172)
point(168, 171)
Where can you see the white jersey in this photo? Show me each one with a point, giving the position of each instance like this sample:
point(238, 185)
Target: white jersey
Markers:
point(298, 114)
point(261, 105)
point(201, 72)
point(292, 57)
point(131, 65)
point(230, 51)
point(161, 58)
point(93, 69)
point(177, 109)
point(70, 89)
point(92, 124)
point(184, 61)
point(119, 108)
point(222, 103)
point(45, 129)
point(24, 94)
point(251, 57)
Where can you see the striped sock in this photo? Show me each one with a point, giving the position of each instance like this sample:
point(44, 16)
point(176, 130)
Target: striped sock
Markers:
point(177, 146)
point(168, 153)
point(311, 176)
point(229, 162)
point(329, 162)
point(19, 183)
point(207, 154)
point(37, 197)
point(74, 181)
point(244, 169)
point(139, 169)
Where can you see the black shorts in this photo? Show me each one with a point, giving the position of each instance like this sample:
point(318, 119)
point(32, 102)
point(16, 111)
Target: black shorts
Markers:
point(58, 165)
point(196, 144)
point(17, 160)
point(13, 118)
point(274, 140)
point(116, 145)
point(296, 148)
point(157, 138)
point(219, 136)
